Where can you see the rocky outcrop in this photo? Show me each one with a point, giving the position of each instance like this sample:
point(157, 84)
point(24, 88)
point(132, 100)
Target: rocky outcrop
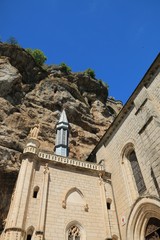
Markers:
point(9, 77)
point(29, 95)
point(23, 62)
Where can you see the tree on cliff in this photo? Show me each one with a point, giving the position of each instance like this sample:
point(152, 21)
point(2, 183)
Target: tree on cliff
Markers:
point(12, 41)
point(38, 55)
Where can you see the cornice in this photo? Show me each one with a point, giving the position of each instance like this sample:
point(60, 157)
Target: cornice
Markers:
point(49, 156)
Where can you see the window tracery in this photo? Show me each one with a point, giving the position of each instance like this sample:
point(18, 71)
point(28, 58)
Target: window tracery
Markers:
point(74, 233)
point(132, 172)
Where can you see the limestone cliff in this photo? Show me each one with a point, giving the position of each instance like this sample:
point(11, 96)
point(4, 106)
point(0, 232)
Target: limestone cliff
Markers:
point(29, 95)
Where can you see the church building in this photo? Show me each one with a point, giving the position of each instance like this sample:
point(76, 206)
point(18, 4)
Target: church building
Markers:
point(113, 195)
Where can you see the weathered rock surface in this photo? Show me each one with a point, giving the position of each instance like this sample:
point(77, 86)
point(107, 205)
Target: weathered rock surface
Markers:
point(29, 95)
point(9, 77)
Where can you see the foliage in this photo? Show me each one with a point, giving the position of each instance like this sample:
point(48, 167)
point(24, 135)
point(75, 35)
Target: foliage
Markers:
point(100, 81)
point(90, 72)
point(12, 41)
point(65, 68)
point(38, 55)
point(103, 83)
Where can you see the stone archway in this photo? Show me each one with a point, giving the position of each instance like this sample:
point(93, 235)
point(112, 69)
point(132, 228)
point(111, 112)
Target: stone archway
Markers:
point(153, 229)
point(144, 219)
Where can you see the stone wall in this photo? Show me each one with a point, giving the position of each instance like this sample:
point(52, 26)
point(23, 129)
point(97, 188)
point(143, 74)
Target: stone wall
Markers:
point(140, 131)
point(73, 197)
point(55, 193)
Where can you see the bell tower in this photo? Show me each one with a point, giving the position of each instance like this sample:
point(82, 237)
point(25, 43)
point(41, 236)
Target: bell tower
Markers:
point(62, 131)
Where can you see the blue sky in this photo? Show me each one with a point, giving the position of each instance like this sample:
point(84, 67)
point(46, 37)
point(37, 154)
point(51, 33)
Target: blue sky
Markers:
point(119, 39)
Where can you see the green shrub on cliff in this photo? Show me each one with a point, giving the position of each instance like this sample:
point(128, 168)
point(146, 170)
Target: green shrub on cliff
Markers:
point(90, 72)
point(38, 55)
point(65, 68)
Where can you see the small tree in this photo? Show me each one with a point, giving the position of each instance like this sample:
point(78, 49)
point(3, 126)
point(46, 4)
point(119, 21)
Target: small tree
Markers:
point(38, 55)
point(65, 68)
point(12, 41)
point(90, 73)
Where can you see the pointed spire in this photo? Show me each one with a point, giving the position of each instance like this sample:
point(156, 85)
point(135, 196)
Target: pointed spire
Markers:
point(62, 134)
point(63, 117)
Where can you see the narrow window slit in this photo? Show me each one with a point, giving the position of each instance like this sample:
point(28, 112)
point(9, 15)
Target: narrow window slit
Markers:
point(35, 192)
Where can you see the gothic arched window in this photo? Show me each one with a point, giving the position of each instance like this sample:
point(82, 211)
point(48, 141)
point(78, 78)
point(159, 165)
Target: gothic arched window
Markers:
point(131, 156)
point(74, 233)
point(29, 233)
point(109, 201)
point(114, 237)
point(35, 192)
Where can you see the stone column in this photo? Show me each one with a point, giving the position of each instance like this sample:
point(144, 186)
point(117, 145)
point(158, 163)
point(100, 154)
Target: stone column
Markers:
point(43, 204)
point(14, 209)
point(15, 220)
point(106, 216)
point(111, 210)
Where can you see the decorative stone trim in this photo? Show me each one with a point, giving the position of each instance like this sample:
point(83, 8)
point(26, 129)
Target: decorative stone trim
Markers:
point(64, 204)
point(39, 233)
point(63, 160)
point(86, 207)
point(30, 150)
point(16, 229)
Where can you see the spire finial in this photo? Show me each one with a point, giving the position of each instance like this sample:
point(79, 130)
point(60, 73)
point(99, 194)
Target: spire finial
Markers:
point(63, 117)
point(62, 131)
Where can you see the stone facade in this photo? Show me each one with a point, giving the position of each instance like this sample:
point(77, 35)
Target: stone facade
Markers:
point(136, 183)
point(54, 193)
point(115, 194)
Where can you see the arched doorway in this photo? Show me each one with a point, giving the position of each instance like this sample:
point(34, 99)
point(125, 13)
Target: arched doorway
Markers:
point(153, 229)
point(144, 219)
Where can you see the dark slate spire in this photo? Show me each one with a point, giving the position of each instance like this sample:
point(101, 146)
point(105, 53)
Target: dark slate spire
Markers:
point(62, 131)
